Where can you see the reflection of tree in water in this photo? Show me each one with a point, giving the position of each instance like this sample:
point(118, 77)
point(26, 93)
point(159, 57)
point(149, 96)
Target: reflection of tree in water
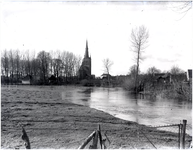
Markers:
point(137, 99)
point(108, 92)
point(84, 99)
point(87, 91)
point(87, 94)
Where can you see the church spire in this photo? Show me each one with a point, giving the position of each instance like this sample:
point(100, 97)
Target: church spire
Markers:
point(86, 51)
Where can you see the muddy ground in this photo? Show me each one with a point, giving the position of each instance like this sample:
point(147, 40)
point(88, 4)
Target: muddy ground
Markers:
point(53, 123)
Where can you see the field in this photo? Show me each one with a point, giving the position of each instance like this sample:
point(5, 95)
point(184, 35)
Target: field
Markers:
point(53, 123)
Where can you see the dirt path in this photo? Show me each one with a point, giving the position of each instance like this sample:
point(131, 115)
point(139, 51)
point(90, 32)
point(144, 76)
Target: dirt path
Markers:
point(53, 123)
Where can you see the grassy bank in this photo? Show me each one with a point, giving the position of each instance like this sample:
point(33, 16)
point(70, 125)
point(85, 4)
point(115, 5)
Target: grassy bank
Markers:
point(175, 91)
point(53, 123)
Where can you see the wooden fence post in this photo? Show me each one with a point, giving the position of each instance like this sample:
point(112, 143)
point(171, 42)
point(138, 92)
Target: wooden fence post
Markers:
point(95, 141)
point(179, 136)
point(100, 136)
point(184, 133)
point(26, 139)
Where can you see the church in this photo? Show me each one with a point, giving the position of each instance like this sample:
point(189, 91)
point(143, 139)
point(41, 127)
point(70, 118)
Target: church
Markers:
point(85, 69)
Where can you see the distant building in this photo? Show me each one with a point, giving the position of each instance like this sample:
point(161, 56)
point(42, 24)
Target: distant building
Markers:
point(189, 75)
point(105, 76)
point(162, 77)
point(27, 79)
point(169, 78)
point(85, 69)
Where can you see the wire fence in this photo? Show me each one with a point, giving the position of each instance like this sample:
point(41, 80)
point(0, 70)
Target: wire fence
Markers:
point(160, 137)
point(153, 137)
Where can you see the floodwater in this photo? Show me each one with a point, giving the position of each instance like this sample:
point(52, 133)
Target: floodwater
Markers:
point(121, 104)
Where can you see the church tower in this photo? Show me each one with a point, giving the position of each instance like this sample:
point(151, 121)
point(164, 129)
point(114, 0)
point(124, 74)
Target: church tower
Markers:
point(86, 50)
point(85, 69)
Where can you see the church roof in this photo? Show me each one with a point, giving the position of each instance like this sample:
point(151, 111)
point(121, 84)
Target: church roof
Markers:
point(86, 50)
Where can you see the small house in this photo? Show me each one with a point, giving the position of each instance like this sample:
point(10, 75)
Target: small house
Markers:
point(163, 77)
point(105, 76)
point(26, 80)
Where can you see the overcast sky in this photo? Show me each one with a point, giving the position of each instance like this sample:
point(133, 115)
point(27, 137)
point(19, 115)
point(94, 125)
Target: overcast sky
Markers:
point(107, 27)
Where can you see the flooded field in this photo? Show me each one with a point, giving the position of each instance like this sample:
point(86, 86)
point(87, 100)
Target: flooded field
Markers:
point(52, 121)
point(121, 104)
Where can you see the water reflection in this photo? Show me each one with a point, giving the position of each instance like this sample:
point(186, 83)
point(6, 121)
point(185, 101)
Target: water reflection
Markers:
point(139, 108)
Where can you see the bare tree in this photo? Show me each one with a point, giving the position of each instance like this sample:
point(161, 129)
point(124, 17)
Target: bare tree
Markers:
point(133, 71)
point(181, 7)
point(27, 63)
point(176, 70)
point(56, 64)
point(129, 83)
point(44, 58)
point(23, 65)
point(139, 39)
point(65, 61)
point(13, 62)
point(107, 63)
point(52, 55)
point(153, 70)
point(5, 63)
point(78, 61)
point(12, 65)
point(17, 62)
point(71, 64)
point(34, 67)
point(57, 67)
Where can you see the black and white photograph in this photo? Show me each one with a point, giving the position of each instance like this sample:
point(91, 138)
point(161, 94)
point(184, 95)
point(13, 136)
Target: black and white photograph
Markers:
point(96, 74)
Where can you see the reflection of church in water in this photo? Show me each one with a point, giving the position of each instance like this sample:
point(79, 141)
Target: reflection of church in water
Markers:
point(85, 69)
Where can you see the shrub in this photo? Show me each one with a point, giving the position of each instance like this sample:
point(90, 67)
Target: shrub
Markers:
point(129, 84)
